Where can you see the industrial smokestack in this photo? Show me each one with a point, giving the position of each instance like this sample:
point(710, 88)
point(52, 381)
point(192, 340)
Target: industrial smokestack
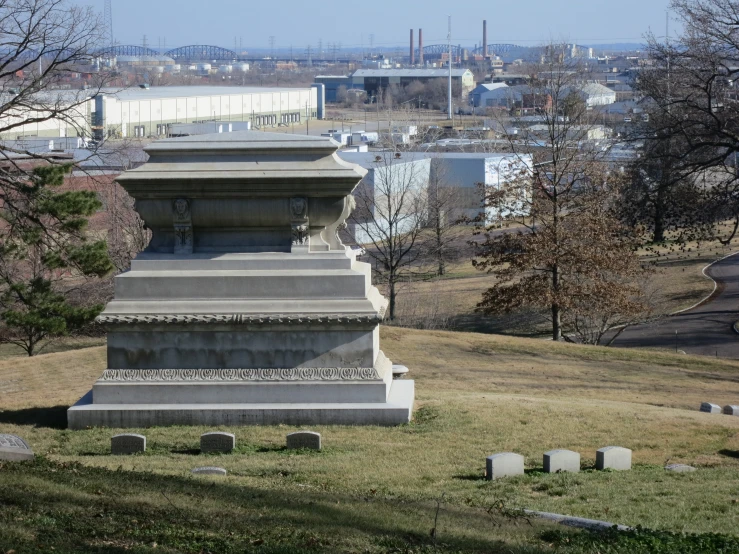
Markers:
point(484, 39)
point(413, 52)
point(420, 47)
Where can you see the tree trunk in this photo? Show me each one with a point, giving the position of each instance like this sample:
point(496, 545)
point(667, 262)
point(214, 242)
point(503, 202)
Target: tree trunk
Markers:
point(391, 298)
point(659, 216)
point(556, 315)
point(556, 323)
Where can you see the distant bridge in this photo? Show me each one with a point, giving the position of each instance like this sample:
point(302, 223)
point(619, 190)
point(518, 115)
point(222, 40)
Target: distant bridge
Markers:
point(129, 50)
point(202, 52)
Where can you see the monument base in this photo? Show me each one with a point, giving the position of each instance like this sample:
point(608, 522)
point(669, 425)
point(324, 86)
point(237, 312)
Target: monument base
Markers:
point(395, 411)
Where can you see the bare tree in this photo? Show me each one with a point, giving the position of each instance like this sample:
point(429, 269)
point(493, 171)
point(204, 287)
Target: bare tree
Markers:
point(44, 42)
point(444, 201)
point(391, 214)
point(693, 107)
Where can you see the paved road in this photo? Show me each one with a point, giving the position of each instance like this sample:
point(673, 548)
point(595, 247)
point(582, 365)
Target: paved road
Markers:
point(705, 330)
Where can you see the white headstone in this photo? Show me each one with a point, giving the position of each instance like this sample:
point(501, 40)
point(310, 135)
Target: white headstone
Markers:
point(209, 470)
point(127, 443)
point(561, 460)
point(503, 464)
point(710, 408)
point(613, 457)
point(731, 410)
point(304, 439)
point(14, 449)
point(217, 442)
point(679, 468)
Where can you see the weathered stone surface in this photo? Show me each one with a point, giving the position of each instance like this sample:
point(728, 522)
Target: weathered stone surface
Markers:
point(245, 308)
point(561, 460)
point(503, 464)
point(304, 439)
point(209, 470)
point(710, 408)
point(613, 457)
point(217, 442)
point(127, 443)
point(679, 468)
point(731, 410)
point(14, 449)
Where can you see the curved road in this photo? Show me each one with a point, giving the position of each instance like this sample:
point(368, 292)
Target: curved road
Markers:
point(706, 329)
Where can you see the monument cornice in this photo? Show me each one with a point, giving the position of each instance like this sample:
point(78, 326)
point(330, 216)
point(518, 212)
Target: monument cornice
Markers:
point(240, 319)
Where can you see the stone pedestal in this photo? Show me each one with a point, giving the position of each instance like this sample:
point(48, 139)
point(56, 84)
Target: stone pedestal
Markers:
point(245, 308)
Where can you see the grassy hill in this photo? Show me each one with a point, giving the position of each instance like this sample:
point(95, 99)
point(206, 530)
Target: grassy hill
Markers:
point(376, 489)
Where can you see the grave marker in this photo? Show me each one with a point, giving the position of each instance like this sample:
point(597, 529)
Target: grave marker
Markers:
point(679, 468)
point(304, 439)
point(209, 470)
point(613, 457)
point(127, 443)
point(710, 408)
point(561, 460)
point(14, 449)
point(503, 464)
point(217, 442)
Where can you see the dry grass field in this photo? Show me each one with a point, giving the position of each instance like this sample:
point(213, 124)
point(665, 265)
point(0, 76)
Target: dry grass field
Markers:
point(476, 395)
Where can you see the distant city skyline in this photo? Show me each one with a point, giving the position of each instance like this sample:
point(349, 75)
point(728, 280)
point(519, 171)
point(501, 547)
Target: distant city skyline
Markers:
point(383, 23)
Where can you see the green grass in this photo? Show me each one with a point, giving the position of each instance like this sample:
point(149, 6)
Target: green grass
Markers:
point(476, 395)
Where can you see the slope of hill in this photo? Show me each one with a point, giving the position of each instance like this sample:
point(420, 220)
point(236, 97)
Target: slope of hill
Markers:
point(476, 395)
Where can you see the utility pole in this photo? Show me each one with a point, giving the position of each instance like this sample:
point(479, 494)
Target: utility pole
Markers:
point(449, 39)
point(108, 23)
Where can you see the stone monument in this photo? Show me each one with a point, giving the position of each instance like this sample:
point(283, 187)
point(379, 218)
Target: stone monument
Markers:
point(245, 308)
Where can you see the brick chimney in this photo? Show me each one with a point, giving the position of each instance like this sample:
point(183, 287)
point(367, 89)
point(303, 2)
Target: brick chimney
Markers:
point(413, 52)
point(484, 39)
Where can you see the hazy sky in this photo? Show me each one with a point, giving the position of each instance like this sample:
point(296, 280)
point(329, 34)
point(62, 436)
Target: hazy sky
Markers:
point(302, 22)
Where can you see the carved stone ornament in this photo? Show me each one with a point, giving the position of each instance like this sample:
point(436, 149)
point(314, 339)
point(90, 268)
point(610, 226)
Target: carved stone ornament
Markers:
point(218, 375)
point(298, 208)
point(300, 235)
point(183, 236)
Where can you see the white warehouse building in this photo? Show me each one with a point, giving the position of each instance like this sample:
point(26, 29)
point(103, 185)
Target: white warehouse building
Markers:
point(146, 112)
point(141, 112)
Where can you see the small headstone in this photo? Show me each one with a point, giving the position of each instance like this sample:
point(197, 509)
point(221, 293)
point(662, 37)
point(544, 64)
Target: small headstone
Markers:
point(503, 464)
point(399, 371)
point(217, 442)
point(679, 468)
point(304, 439)
point(731, 410)
point(14, 449)
point(710, 408)
point(613, 457)
point(561, 460)
point(127, 443)
point(209, 470)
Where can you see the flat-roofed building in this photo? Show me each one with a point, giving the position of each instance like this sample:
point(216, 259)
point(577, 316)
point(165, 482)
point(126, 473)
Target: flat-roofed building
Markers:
point(141, 112)
point(373, 80)
point(144, 112)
